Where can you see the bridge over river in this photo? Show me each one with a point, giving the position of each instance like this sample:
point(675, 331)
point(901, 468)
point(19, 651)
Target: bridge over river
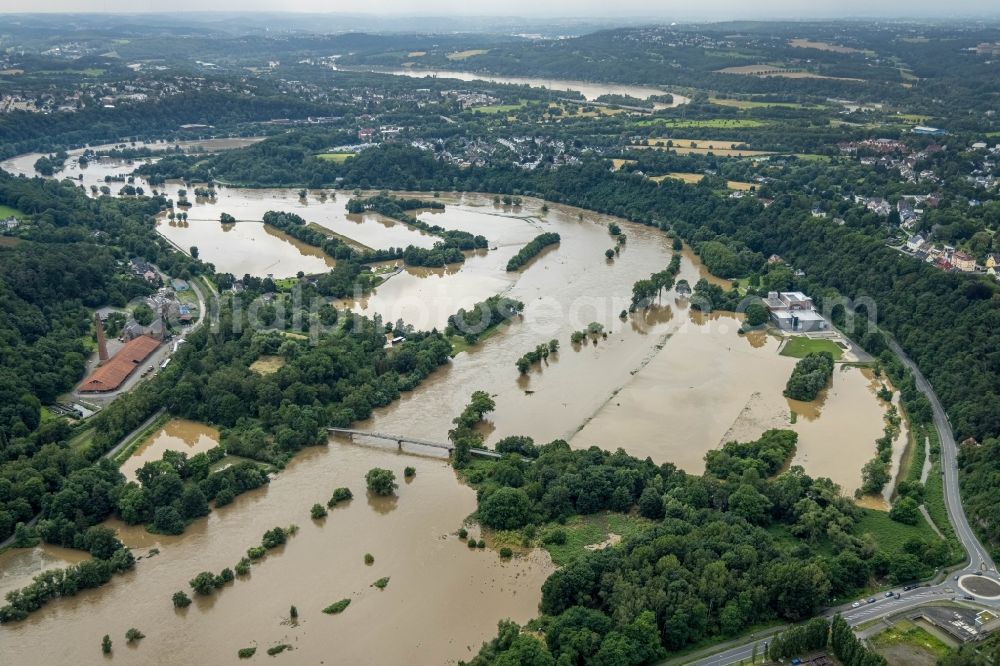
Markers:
point(405, 439)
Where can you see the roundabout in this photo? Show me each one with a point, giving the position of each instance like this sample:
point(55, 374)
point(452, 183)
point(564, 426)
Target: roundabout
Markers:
point(980, 586)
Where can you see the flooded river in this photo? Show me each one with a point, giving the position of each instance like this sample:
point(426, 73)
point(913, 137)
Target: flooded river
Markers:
point(442, 600)
point(590, 90)
point(25, 164)
point(667, 383)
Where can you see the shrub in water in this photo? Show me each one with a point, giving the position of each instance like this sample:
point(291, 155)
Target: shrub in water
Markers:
point(337, 607)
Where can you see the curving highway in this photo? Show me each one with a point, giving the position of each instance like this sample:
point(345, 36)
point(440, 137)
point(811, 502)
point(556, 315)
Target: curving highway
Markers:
point(978, 561)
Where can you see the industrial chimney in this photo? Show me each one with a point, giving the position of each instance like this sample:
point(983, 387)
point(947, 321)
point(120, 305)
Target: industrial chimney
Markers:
point(102, 344)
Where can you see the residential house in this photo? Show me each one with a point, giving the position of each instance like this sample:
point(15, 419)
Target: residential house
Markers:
point(10, 223)
point(963, 261)
point(992, 263)
point(915, 242)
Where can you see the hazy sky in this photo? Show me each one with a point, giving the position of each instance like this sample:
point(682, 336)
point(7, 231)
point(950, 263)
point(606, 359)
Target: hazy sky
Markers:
point(563, 8)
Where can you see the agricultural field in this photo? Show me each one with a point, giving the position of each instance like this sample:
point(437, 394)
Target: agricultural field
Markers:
point(750, 104)
point(822, 46)
point(499, 108)
point(689, 178)
point(462, 55)
point(618, 163)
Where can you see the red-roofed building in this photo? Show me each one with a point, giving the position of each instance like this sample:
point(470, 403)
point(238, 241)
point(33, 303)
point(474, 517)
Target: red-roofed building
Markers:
point(114, 372)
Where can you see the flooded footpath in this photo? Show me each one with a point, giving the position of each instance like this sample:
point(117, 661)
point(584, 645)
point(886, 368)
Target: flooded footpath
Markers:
point(442, 601)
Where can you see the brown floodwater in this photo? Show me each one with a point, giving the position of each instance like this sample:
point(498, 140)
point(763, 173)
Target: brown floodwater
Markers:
point(19, 565)
point(179, 435)
point(709, 386)
point(668, 383)
point(245, 247)
point(443, 600)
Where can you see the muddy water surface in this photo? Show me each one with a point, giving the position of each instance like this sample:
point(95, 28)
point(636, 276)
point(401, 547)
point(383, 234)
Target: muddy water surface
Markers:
point(442, 600)
point(710, 385)
point(663, 383)
point(178, 435)
point(19, 565)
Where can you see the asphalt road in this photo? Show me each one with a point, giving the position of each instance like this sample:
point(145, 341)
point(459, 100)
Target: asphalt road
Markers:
point(978, 555)
point(978, 560)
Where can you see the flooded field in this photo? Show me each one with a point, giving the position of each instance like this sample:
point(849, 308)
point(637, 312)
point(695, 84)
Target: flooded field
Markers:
point(245, 247)
point(176, 435)
point(437, 588)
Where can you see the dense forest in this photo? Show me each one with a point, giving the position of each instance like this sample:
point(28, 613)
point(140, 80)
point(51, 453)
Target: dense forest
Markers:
point(810, 376)
point(70, 261)
point(717, 554)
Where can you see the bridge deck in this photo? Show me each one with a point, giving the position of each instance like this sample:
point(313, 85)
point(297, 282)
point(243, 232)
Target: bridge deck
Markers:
point(401, 439)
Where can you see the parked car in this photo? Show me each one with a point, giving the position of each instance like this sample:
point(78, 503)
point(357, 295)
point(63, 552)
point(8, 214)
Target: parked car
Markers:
point(969, 597)
point(856, 604)
point(871, 600)
point(888, 594)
